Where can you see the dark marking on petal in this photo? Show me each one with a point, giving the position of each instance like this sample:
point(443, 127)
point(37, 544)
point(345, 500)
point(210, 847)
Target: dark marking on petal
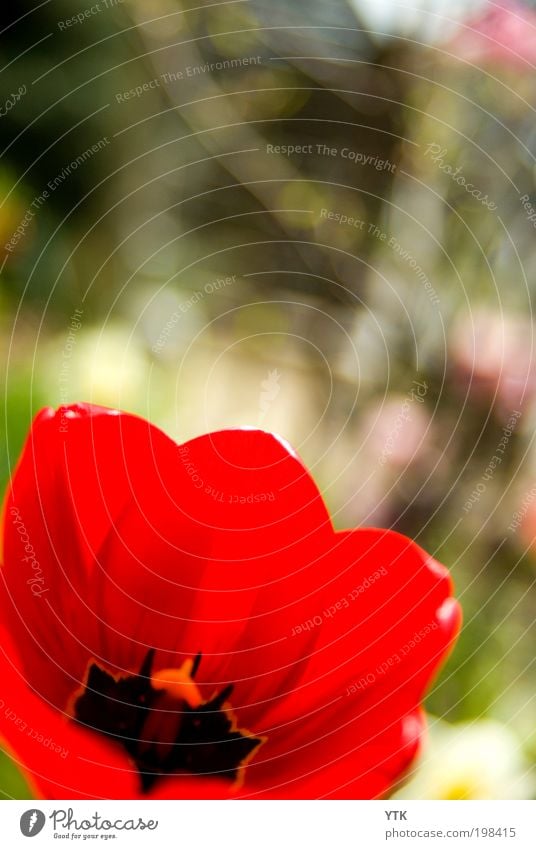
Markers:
point(162, 734)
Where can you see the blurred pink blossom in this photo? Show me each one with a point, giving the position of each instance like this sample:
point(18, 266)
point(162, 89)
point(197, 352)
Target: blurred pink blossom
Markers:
point(397, 430)
point(493, 355)
point(393, 434)
point(504, 31)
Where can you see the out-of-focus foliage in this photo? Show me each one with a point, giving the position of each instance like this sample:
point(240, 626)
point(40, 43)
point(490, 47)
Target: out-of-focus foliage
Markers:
point(196, 272)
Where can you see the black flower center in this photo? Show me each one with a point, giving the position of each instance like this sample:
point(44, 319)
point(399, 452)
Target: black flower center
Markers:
point(163, 723)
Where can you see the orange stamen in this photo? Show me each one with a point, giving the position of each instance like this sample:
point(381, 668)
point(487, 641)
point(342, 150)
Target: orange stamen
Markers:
point(178, 683)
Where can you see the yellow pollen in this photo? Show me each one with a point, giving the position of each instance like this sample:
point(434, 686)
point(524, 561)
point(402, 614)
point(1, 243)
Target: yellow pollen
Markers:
point(178, 683)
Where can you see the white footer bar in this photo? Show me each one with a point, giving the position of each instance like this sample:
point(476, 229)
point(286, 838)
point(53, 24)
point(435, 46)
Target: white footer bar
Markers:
point(271, 824)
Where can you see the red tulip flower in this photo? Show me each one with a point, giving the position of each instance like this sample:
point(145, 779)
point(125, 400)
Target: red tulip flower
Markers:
point(184, 621)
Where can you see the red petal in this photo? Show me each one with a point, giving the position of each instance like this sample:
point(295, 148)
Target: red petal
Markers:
point(259, 514)
point(71, 483)
point(61, 760)
point(377, 648)
point(127, 528)
point(353, 764)
point(178, 787)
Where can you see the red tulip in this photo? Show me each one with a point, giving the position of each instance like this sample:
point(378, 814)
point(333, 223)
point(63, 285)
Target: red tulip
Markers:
point(184, 622)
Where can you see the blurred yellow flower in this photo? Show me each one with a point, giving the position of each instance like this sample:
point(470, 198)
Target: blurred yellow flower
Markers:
point(107, 367)
point(470, 760)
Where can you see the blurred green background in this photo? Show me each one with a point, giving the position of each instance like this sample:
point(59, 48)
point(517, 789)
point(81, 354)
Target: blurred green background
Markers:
point(314, 219)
